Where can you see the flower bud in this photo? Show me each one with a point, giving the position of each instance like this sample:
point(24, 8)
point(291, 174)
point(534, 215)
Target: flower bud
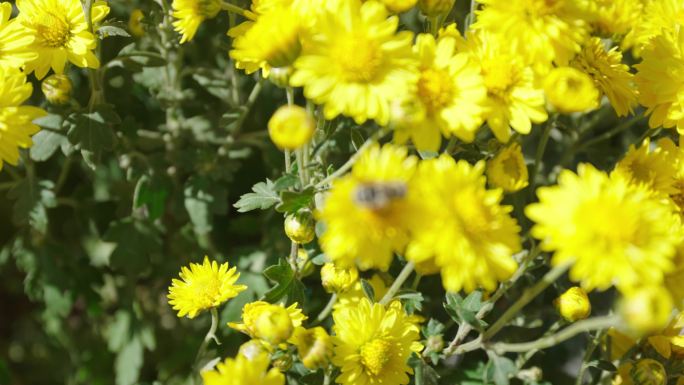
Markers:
point(399, 6)
point(649, 372)
point(299, 227)
point(282, 361)
point(570, 90)
point(573, 305)
point(647, 310)
point(57, 89)
point(314, 347)
point(253, 348)
point(291, 127)
point(273, 324)
point(304, 264)
point(507, 170)
point(435, 7)
point(338, 280)
point(434, 344)
point(135, 25)
point(280, 76)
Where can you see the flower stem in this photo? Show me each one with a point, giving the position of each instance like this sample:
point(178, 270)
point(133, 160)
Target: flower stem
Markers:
point(237, 10)
point(328, 308)
point(401, 278)
point(587, 356)
point(541, 147)
point(211, 335)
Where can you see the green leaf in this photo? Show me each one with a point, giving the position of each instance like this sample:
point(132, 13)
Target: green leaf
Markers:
point(151, 192)
point(203, 200)
point(286, 284)
point(118, 332)
point(464, 310)
point(33, 198)
point(45, 144)
point(129, 362)
point(413, 300)
point(368, 290)
point(603, 365)
point(499, 369)
point(424, 373)
point(263, 196)
point(136, 241)
point(292, 201)
point(92, 132)
point(433, 328)
point(112, 29)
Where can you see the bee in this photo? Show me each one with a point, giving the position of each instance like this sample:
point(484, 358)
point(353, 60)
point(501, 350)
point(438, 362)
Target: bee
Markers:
point(378, 195)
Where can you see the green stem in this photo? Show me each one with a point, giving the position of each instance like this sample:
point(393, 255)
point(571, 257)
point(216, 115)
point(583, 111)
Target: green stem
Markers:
point(237, 10)
point(526, 298)
point(328, 308)
point(211, 335)
point(596, 323)
point(294, 250)
point(541, 147)
point(587, 356)
point(396, 285)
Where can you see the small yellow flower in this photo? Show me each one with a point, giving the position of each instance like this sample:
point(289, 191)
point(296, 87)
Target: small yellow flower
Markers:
point(314, 347)
point(651, 167)
point(338, 280)
point(15, 40)
point(647, 309)
point(191, 13)
point(507, 170)
point(291, 127)
point(242, 370)
point(202, 287)
point(271, 323)
point(373, 343)
point(648, 371)
point(57, 89)
point(435, 7)
point(573, 305)
point(299, 227)
point(570, 90)
point(135, 24)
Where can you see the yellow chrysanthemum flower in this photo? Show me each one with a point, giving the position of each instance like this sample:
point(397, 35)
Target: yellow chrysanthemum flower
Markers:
point(513, 99)
point(613, 231)
point(652, 167)
point(542, 31)
point(463, 228)
point(314, 347)
point(355, 294)
point(61, 33)
point(355, 64)
point(202, 287)
point(661, 91)
point(269, 322)
point(14, 40)
point(613, 17)
point(610, 75)
point(570, 90)
point(242, 370)
point(507, 170)
point(671, 340)
point(450, 95)
point(372, 197)
point(656, 17)
point(373, 343)
point(336, 279)
point(191, 13)
point(291, 127)
point(646, 310)
point(16, 121)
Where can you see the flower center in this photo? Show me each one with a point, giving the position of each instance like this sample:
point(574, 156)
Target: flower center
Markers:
point(499, 76)
point(359, 60)
point(375, 355)
point(52, 30)
point(208, 8)
point(511, 167)
point(207, 289)
point(435, 89)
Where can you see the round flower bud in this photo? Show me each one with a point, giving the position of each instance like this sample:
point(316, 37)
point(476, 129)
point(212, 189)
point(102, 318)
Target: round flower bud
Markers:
point(57, 89)
point(299, 227)
point(573, 305)
point(338, 280)
point(399, 6)
point(314, 346)
point(290, 127)
point(433, 8)
point(434, 344)
point(647, 310)
point(280, 76)
point(253, 348)
point(304, 264)
point(273, 324)
point(135, 25)
point(649, 372)
point(570, 90)
point(507, 170)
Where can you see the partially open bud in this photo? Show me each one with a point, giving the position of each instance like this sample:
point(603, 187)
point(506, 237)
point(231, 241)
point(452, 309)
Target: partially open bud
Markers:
point(573, 305)
point(273, 324)
point(57, 89)
point(280, 76)
point(314, 347)
point(435, 7)
point(135, 25)
point(291, 127)
point(647, 310)
point(649, 372)
point(338, 280)
point(253, 348)
point(507, 170)
point(570, 90)
point(299, 227)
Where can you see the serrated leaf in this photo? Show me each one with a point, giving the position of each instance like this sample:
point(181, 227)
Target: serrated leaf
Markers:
point(285, 182)
point(286, 284)
point(292, 201)
point(203, 200)
point(262, 197)
point(112, 29)
point(33, 198)
point(459, 309)
point(45, 144)
point(136, 241)
point(499, 369)
point(368, 290)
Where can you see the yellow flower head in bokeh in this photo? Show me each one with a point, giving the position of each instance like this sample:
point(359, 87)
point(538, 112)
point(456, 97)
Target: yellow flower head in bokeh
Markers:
point(648, 371)
point(61, 33)
point(655, 18)
point(373, 198)
point(614, 17)
point(242, 370)
point(15, 40)
point(135, 23)
point(269, 322)
point(450, 95)
point(189, 14)
point(314, 347)
point(463, 228)
point(354, 295)
point(356, 63)
point(336, 279)
point(16, 121)
point(660, 91)
point(610, 75)
point(514, 101)
point(570, 90)
point(507, 170)
point(652, 167)
point(202, 287)
point(373, 343)
point(614, 232)
point(291, 127)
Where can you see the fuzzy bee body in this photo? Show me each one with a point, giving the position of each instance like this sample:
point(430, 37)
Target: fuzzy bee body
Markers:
point(378, 195)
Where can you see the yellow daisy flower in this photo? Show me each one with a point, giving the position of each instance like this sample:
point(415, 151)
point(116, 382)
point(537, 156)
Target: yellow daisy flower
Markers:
point(190, 14)
point(660, 90)
point(356, 64)
point(242, 370)
point(373, 343)
point(653, 168)
point(373, 197)
point(513, 99)
point(202, 287)
point(614, 17)
point(16, 121)
point(656, 17)
point(61, 33)
point(610, 75)
point(613, 231)
point(463, 229)
point(14, 40)
point(542, 31)
point(570, 90)
point(507, 170)
point(450, 95)
point(269, 322)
